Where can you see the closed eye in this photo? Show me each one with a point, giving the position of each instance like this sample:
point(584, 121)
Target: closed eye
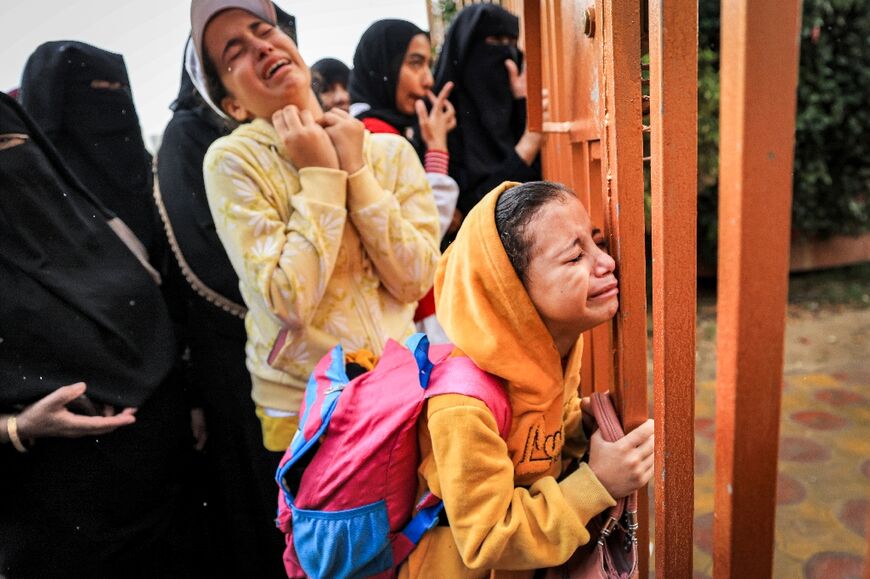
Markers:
point(264, 29)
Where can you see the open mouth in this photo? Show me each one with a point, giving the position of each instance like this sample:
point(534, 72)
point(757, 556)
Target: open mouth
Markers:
point(276, 66)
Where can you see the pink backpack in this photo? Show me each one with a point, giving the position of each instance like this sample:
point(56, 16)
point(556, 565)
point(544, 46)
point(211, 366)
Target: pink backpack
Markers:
point(349, 479)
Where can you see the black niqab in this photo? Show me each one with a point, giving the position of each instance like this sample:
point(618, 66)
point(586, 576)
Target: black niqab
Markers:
point(490, 121)
point(75, 303)
point(80, 97)
point(375, 75)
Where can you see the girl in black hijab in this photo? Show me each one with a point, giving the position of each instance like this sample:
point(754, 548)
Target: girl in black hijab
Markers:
point(389, 86)
point(491, 143)
point(80, 96)
point(78, 305)
point(239, 484)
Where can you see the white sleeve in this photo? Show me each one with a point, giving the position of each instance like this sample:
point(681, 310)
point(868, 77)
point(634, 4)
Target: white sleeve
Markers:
point(446, 192)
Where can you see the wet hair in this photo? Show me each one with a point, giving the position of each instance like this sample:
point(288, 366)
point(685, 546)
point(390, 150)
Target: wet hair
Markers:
point(514, 211)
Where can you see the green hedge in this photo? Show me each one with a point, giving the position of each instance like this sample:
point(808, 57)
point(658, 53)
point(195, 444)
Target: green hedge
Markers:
point(832, 153)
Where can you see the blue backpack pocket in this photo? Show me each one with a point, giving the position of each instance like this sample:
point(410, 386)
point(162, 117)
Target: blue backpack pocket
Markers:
point(340, 544)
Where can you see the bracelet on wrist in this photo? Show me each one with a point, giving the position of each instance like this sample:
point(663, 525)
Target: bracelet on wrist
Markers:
point(12, 432)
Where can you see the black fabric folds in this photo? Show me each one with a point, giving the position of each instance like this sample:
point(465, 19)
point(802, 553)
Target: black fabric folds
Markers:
point(490, 121)
point(75, 304)
point(79, 95)
point(190, 132)
point(375, 75)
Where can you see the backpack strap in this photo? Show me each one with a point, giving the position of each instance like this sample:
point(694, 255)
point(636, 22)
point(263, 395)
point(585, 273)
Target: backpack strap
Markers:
point(325, 385)
point(460, 375)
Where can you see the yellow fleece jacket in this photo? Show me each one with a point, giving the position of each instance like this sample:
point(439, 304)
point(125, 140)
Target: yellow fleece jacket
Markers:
point(508, 513)
point(322, 256)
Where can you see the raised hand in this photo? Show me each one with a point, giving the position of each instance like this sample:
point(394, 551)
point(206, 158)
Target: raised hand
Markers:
point(347, 135)
point(517, 79)
point(306, 141)
point(51, 417)
point(435, 125)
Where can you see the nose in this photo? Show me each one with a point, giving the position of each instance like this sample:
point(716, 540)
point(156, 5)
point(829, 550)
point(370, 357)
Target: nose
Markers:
point(428, 79)
point(604, 264)
point(262, 47)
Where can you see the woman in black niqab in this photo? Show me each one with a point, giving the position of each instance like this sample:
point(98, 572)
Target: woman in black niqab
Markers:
point(76, 304)
point(80, 97)
point(490, 120)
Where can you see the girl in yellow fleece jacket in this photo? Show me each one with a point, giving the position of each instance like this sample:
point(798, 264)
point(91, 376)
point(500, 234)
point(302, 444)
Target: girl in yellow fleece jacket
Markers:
point(524, 278)
point(333, 232)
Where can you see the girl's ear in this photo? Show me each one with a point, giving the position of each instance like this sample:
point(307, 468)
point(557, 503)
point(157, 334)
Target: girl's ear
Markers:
point(234, 109)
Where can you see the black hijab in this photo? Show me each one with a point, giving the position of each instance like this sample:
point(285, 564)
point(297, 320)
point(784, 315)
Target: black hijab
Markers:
point(80, 97)
point(375, 75)
point(489, 120)
point(193, 128)
point(75, 303)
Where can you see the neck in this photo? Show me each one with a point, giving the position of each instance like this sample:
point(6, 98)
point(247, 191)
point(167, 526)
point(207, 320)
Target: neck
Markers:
point(313, 105)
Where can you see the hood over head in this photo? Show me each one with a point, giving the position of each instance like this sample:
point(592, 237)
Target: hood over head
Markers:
point(487, 313)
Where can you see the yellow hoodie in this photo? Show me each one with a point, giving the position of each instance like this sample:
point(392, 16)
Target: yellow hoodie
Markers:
point(507, 511)
point(322, 256)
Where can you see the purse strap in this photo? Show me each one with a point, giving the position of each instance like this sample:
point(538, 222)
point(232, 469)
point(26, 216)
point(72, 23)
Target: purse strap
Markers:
point(611, 431)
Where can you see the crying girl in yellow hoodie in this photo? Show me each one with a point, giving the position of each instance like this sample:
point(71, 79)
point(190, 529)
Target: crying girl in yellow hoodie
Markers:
point(524, 278)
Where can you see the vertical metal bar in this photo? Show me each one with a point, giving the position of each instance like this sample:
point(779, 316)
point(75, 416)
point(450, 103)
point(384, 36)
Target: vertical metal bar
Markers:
point(534, 72)
point(758, 75)
point(867, 561)
point(622, 183)
point(673, 46)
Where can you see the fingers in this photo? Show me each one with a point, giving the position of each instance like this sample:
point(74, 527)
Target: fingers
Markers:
point(290, 117)
point(639, 435)
point(64, 395)
point(306, 118)
point(75, 426)
point(330, 118)
point(422, 114)
point(439, 100)
point(340, 113)
point(513, 70)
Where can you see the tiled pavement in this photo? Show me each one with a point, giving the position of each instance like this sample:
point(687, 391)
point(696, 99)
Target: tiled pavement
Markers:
point(823, 493)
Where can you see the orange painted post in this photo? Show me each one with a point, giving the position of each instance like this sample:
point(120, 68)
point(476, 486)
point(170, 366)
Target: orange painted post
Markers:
point(758, 77)
point(867, 561)
point(673, 45)
point(622, 183)
point(534, 72)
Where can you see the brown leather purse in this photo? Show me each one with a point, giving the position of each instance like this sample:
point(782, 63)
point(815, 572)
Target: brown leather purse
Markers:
point(611, 552)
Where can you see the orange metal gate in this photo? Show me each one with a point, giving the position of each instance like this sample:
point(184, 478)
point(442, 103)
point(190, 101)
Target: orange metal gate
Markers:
point(587, 53)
